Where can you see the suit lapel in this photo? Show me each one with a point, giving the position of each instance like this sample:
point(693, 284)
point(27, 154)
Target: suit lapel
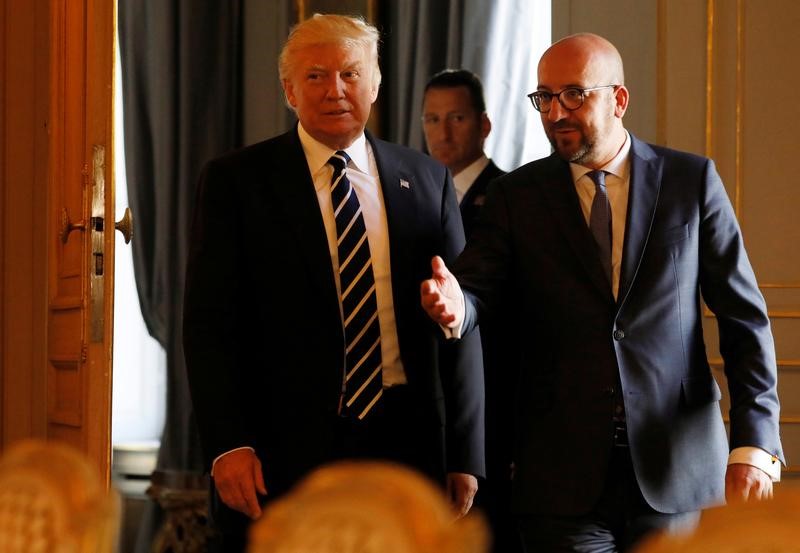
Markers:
point(478, 187)
point(397, 187)
point(560, 194)
point(295, 191)
point(645, 185)
point(399, 200)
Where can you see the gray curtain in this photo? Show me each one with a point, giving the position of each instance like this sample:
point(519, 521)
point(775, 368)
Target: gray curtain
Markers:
point(266, 26)
point(420, 37)
point(181, 81)
point(181, 78)
point(490, 38)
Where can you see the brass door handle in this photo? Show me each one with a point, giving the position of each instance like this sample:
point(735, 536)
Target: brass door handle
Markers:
point(125, 225)
point(94, 223)
point(67, 226)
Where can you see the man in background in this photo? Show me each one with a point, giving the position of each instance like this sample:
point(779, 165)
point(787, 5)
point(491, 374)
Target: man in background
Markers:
point(456, 125)
point(304, 339)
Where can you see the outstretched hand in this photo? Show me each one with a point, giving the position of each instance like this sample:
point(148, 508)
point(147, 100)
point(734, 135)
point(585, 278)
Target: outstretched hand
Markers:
point(441, 296)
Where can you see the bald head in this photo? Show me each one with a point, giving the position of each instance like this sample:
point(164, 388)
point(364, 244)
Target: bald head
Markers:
point(590, 55)
point(588, 132)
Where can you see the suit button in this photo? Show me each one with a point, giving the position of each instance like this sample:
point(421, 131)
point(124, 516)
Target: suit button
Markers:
point(609, 391)
point(619, 334)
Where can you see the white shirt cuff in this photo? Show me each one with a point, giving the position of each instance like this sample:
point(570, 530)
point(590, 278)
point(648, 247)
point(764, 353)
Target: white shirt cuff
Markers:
point(757, 457)
point(214, 463)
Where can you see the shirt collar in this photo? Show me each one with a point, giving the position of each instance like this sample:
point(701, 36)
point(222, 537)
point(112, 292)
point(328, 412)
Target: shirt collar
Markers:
point(468, 175)
point(619, 165)
point(318, 154)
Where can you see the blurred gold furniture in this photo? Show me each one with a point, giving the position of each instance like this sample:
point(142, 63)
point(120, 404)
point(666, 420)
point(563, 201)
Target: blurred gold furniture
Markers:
point(366, 507)
point(53, 501)
point(755, 527)
point(183, 496)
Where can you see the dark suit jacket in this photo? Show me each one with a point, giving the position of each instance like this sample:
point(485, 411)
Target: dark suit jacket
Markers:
point(500, 376)
point(263, 333)
point(497, 337)
point(474, 199)
point(581, 349)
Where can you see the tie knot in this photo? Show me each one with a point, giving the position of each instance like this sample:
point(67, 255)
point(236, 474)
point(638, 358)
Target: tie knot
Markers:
point(339, 160)
point(599, 177)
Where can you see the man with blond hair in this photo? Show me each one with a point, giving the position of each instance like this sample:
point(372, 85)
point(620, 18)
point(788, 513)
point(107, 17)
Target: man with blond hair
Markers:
point(304, 339)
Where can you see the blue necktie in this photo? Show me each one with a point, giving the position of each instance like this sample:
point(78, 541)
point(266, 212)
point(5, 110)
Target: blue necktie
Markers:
point(600, 221)
point(363, 378)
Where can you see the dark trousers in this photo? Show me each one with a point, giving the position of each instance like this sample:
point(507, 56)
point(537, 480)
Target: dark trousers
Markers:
point(618, 522)
point(397, 430)
point(494, 501)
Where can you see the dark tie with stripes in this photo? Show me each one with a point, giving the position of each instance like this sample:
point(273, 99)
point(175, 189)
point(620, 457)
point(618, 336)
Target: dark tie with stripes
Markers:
point(363, 379)
point(600, 220)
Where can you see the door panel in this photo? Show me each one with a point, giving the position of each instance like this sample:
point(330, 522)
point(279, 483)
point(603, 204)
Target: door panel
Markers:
point(57, 79)
point(24, 97)
point(81, 215)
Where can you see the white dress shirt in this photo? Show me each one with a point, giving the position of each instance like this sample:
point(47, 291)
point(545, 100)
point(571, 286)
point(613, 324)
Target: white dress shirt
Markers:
point(362, 172)
point(617, 185)
point(465, 178)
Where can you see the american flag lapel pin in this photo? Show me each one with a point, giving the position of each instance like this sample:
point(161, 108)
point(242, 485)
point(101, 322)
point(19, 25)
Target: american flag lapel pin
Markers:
point(405, 184)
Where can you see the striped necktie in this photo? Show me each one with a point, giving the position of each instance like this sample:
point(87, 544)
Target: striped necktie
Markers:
point(600, 220)
point(363, 378)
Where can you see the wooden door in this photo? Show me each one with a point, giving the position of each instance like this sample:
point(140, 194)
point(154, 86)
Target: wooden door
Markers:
point(81, 252)
point(56, 366)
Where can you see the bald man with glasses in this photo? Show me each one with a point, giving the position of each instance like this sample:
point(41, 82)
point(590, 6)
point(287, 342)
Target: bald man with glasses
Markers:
point(604, 251)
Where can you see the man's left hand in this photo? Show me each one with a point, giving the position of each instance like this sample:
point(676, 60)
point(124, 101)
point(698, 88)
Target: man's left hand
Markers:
point(746, 483)
point(461, 490)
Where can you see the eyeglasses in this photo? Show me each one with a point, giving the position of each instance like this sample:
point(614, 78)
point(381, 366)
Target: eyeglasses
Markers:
point(571, 98)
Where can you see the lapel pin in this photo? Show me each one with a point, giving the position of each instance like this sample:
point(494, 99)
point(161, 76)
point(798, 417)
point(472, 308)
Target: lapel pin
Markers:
point(405, 184)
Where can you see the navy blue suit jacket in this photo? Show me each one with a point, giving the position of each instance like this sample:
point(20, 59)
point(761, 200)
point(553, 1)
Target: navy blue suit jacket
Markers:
point(582, 351)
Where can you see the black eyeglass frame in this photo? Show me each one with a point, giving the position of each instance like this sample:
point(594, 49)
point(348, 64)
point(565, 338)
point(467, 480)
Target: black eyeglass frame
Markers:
point(557, 95)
